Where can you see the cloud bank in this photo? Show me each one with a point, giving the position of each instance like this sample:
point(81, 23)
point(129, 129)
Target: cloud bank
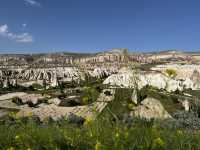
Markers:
point(32, 3)
point(20, 38)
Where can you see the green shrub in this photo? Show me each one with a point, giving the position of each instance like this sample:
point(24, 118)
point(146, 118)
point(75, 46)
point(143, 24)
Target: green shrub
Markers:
point(85, 100)
point(90, 94)
point(37, 86)
point(171, 73)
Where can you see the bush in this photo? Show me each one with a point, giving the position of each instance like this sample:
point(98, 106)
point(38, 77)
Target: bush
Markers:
point(85, 100)
point(37, 86)
point(171, 73)
point(90, 94)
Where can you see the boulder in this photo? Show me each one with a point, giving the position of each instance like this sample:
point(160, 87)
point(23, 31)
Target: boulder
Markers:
point(151, 108)
point(31, 99)
point(55, 101)
point(45, 112)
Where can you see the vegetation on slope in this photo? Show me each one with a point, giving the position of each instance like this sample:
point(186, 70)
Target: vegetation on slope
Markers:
point(96, 135)
point(112, 129)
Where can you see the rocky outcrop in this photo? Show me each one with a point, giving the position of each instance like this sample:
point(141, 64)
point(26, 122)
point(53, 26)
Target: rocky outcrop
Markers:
point(102, 72)
point(185, 104)
point(12, 95)
point(55, 112)
point(30, 83)
point(151, 108)
point(127, 78)
point(195, 77)
point(51, 76)
point(31, 99)
point(183, 71)
point(55, 101)
point(134, 96)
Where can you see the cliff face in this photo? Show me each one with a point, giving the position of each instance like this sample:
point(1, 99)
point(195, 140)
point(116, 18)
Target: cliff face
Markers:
point(112, 56)
point(116, 55)
point(183, 71)
point(55, 67)
point(51, 75)
point(127, 78)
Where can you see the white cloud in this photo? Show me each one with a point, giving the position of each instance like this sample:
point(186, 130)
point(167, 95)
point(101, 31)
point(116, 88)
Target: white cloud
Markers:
point(32, 3)
point(21, 38)
point(24, 25)
point(4, 28)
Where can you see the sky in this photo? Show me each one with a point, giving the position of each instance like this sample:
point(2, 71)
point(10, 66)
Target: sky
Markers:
point(34, 26)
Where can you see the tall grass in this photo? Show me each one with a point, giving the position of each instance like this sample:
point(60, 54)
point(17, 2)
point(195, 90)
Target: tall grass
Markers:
point(108, 132)
point(98, 134)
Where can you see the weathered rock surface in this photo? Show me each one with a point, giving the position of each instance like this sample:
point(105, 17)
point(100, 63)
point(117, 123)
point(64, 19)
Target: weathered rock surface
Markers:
point(50, 76)
point(3, 112)
point(55, 112)
point(127, 78)
point(31, 99)
point(12, 95)
point(30, 83)
point(102, 72)
point(55, 101)
point(185, 104)
point(134, 97)
point(183, 71)
point(151, 108)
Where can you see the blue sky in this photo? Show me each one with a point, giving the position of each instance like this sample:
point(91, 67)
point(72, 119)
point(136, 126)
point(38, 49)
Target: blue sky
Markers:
point(29, 26)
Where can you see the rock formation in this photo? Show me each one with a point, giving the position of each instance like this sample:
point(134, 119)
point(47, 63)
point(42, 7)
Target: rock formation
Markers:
point(51, 76)
point(127, 78)
point(151, 108)
point(55, 112)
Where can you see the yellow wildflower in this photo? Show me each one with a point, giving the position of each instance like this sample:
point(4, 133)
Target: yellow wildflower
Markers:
point(11, 148)
point(91, 135)
point(117, 135)
point(88, 121)
point(179, 132)
point(17, 137)
point(131, 106)
point(159, 142)
point(97, 145)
